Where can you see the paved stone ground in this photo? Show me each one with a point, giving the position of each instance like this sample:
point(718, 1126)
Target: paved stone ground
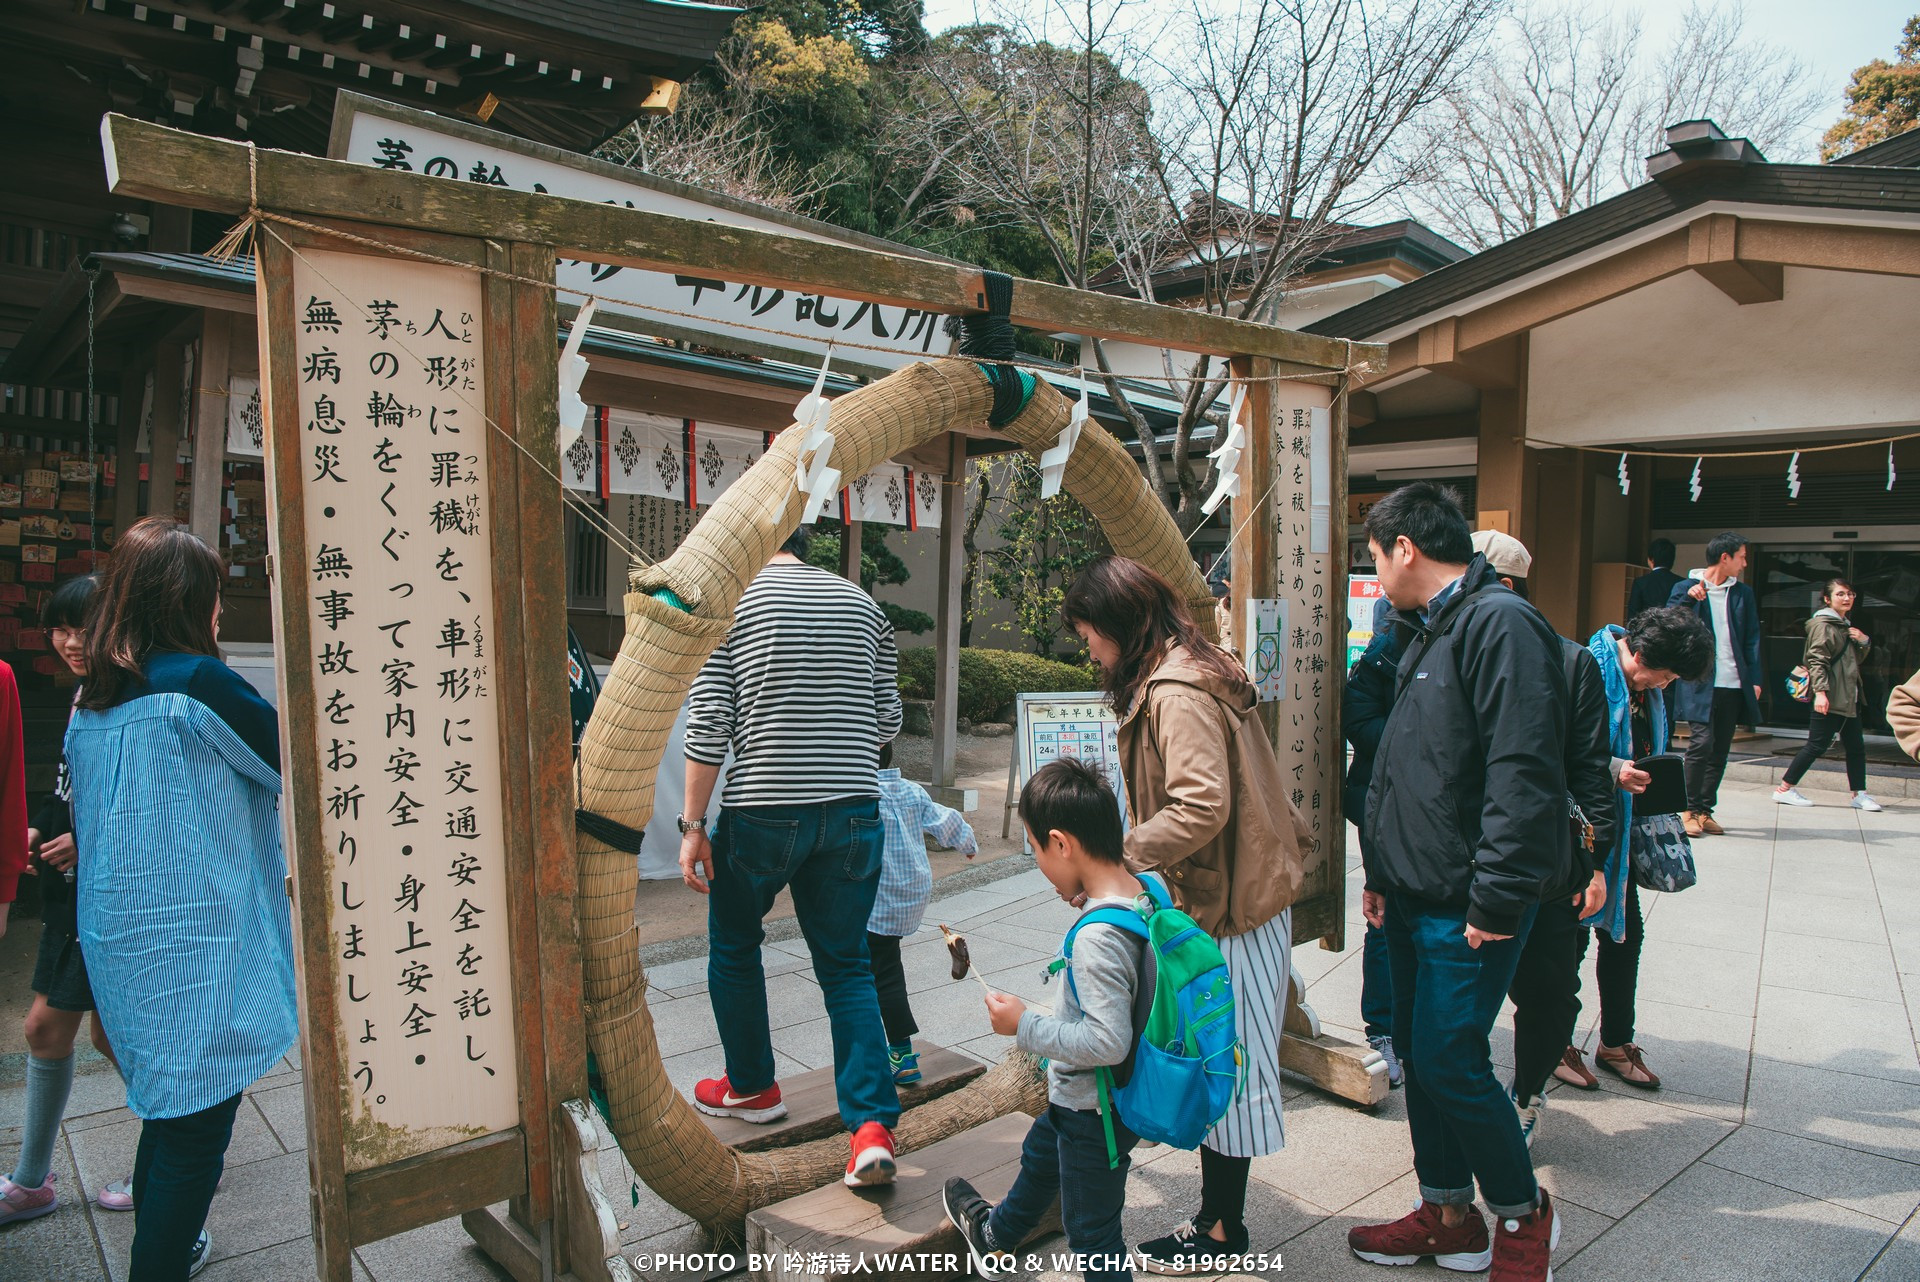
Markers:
point(1778, 1000)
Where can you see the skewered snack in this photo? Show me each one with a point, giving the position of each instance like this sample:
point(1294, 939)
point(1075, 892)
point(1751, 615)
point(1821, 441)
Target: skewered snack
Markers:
point(957, 950)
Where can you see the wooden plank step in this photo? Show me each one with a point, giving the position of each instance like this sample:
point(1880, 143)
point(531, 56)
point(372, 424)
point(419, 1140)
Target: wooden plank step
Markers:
point(813, 1109)
point(898, 1231)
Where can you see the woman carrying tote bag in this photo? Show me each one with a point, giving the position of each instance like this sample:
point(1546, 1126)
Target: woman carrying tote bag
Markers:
point(1832, 659)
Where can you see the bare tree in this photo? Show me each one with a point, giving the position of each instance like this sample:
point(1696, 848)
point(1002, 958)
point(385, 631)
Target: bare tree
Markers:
point(1563, 109)
point(1230, 143)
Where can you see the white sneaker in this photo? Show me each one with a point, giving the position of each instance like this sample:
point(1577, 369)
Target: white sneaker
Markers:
point(1790, 797)
point(1861, 801)
point(1530, 1118)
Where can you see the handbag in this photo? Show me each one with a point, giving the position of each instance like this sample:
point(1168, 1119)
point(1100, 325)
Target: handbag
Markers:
point(1800, 684)
point(1662, 856)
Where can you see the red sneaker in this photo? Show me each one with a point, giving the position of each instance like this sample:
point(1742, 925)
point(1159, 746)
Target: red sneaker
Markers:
point(1523, 1248)
point(1462, 1248)
point(872, 1160)
point(715, 1095)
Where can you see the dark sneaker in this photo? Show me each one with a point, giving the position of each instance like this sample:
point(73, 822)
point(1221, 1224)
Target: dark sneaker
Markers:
point(969, 1211)
point(1191, 1249)
point(202, 1252)
point(714, 1095)
point(1464, 1248)
point(1523, 1248)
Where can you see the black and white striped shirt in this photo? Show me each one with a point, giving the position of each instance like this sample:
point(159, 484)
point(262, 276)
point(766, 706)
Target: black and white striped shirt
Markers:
point(802, 690)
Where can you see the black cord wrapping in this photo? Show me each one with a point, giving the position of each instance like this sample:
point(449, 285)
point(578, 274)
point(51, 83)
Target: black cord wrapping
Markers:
point(611, 831)
point(989, 335)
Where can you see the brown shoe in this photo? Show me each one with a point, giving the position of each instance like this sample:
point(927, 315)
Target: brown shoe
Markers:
point(1708, 826)
point(1624, 1062)
point(1572, 1069)
point(1691, 821)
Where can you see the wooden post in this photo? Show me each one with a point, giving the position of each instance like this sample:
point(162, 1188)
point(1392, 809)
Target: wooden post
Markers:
point(126, 454)
point(946, 644)
point(163, 457)
point(850, 534)
point(1254, 568)
point(210, 398)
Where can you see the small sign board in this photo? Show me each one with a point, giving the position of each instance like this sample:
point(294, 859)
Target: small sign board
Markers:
point(1071, 723)
point(1363, 593)
point(1266, 643)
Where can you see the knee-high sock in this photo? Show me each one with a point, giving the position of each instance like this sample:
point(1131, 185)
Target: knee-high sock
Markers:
point(49, 1081)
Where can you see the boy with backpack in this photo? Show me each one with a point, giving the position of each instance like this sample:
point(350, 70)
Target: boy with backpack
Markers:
point(1143, 1031)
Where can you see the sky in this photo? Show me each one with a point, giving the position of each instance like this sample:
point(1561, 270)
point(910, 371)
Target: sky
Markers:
point(1831, 36)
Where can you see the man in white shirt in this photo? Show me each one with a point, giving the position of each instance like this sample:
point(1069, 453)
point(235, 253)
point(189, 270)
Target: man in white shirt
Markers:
point(1731, 694)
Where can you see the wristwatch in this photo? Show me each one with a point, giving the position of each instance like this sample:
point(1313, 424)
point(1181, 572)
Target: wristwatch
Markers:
point(691, 825)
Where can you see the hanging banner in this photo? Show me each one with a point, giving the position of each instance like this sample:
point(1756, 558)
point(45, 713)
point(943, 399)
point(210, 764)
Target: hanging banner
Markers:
point(580, 465)
point(722, 456)
point(644, 454)
point(246, 429)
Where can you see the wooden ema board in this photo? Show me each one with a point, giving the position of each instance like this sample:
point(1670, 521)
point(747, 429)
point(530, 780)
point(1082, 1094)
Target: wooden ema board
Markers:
point(407, 601)
point(813, 1105)
point(895, 1231)
point(1072, 723)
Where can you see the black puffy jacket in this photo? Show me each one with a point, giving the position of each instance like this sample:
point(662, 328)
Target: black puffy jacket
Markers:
point(1468, 806)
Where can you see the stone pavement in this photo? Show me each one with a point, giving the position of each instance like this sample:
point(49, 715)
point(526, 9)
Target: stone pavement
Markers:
point(1778, 1001)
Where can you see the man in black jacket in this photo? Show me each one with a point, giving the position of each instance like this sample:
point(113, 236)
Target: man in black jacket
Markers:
point(1466, 832)
point(1546, 984)
point(1363, 715)
point(1651, 590)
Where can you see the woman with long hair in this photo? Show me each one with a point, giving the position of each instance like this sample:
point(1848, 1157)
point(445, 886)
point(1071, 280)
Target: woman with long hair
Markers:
point(183, 912)
point(1209, 812)
point(61, 994)
point(1832, 658)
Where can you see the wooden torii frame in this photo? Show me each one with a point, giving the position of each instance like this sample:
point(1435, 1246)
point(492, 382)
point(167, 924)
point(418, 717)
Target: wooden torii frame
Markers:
point(521, 234)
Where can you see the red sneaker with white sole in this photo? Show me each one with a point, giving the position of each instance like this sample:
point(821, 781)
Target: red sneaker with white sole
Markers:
point(872, 1161)
point(715, 1095)
point(1523, 1247)
point(1464, 1248)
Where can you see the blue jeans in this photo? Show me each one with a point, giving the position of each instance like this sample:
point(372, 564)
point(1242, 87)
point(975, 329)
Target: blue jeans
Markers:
point(1065, 1157)
point(829, 856)
point(175, 1171)
point(1376, 984)
point(1446, 996)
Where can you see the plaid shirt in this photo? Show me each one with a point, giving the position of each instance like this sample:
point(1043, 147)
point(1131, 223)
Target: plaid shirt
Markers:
point(906, 879)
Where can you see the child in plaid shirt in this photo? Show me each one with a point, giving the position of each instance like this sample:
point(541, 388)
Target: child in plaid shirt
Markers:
point(907, 814)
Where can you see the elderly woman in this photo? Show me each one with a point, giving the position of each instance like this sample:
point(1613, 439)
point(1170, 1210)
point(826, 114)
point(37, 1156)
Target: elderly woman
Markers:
point(1209, 812)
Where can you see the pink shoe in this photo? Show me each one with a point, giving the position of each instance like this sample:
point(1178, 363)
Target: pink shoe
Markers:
point(20, 1203)
point(116, 1196)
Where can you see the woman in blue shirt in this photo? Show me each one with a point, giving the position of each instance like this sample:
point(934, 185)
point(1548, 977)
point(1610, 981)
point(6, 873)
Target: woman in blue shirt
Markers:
point(183, 912)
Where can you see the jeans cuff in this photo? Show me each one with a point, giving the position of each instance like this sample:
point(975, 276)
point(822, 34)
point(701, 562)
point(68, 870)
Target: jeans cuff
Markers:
point(1446, 1197)
point(1515, 1212)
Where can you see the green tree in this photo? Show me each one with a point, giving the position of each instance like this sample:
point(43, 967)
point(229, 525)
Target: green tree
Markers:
point(1883, 99)
point(1044, 544)
point(879, 564)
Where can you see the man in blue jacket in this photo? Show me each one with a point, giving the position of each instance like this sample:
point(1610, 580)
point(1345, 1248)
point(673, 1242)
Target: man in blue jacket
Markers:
point(1730, 693)
point(1466, 832)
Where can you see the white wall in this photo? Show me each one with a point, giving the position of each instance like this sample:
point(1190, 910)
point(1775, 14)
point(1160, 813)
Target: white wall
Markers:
point(1680, 360)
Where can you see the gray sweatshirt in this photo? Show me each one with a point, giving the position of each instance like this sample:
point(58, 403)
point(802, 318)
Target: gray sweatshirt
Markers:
point(1093, 1023)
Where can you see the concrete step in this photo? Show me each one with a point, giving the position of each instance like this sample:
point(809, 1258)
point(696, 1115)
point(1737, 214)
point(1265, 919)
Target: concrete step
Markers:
point(813, 1107)
point(898, 1231)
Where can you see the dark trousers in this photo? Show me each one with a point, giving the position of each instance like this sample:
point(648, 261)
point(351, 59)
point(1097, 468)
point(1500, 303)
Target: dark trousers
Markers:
point(1065, 1157)
point(1706, 760)
point(1376, 984)
point(1546, 995)
point(829, 855)
point(890, 981)
point(1821, 728)
point(1446, 995)
point(1617, 969)
point(175, 1171)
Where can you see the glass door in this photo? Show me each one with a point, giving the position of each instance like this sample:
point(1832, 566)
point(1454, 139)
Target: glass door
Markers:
point(1788, 582)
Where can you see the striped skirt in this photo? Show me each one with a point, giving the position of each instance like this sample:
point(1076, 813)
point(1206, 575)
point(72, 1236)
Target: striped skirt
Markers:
point(1258, 963)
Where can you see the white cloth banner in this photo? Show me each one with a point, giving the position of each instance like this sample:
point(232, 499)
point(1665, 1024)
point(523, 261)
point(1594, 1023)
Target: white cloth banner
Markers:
point(722, 456)
point(245, 427)
point(645, 454)
point(580, 465)
point(926, 500)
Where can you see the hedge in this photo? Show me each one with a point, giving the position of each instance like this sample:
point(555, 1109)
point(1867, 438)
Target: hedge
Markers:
point(989, 679)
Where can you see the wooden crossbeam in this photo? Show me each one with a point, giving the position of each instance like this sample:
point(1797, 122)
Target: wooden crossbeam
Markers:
point(151, 162)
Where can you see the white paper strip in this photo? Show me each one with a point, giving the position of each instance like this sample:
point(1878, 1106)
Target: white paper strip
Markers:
point(1320, 482)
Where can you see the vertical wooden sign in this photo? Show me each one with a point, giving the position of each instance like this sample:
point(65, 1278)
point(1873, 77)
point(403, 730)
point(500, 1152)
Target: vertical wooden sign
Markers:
point(426, 801)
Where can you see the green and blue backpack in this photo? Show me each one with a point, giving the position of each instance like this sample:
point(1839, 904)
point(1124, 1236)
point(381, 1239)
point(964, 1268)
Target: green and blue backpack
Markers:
point(1187, 1065)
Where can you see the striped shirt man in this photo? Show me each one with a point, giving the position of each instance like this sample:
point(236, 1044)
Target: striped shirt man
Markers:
point(802, 691)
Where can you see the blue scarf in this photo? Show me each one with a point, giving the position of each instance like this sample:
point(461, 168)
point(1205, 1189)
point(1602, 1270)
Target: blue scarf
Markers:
point(1612, 916)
